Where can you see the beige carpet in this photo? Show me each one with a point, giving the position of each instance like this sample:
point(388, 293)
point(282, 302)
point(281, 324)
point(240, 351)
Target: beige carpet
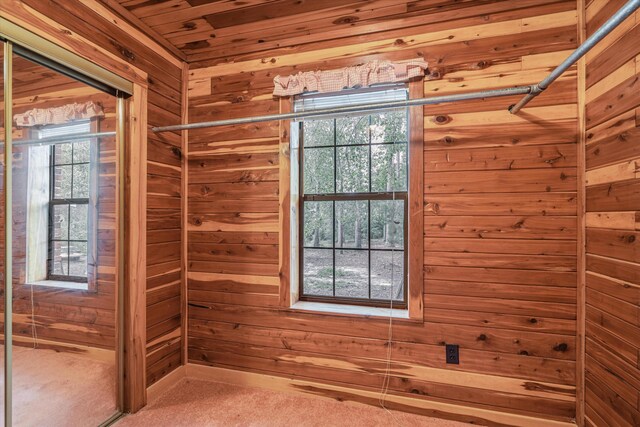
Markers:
point(196, 403)
point(59, 389)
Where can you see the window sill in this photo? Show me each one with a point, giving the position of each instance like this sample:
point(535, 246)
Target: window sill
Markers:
point(357, 310)
point(79, 286)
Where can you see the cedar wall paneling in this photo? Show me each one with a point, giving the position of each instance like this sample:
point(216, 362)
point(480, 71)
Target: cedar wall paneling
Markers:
point(164, 173)
point(499, 235)
point(612, 393)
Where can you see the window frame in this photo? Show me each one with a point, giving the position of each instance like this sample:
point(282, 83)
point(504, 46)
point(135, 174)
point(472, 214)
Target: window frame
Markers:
point(288, 214)
point(53, 203)
point(90, 281)
point(361, 196)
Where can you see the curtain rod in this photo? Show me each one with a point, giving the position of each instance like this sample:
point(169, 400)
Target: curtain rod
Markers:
point(61, 139)
point(529, 92)
point(615, 20)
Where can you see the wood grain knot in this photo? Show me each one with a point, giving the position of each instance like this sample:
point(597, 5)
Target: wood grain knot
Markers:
point(435, 74)
point(562, 347)
point(441, 120)
point(432, 207)
point(124, 51)
point(346, 20)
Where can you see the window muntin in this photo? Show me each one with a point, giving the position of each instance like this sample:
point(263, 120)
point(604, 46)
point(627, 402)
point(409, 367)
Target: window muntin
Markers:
point(70, 165)
point(353, 203)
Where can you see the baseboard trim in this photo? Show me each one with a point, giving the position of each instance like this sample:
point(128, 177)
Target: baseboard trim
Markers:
point(155, 390)
point(335, 392)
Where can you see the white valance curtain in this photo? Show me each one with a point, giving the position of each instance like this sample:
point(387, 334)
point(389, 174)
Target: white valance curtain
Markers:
point(59, 115)
point(363, 75)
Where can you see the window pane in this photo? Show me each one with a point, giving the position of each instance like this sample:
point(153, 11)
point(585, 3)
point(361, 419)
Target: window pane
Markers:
point(318, 170)
point(352, 273)
point(81, 181)
point(78, 226)
point(63, 153)
point(389, 126)
point(387, 275)
point(78, 259)
point(60, 222)
point(81, 152)
point(318, 272)
point(62, 182)
point(318, 132)
point(318, 222)
point(387, 224)
point(60, 257)
point(352, 130)
point(389, 167)
point(352, 170)
point(352, 224)
point(352, 156)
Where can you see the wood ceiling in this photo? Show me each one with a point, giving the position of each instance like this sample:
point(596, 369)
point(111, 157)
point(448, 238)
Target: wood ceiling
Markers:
point(210, 31)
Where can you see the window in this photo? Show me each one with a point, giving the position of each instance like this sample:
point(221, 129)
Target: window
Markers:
point(60, 214)
point(353, 199)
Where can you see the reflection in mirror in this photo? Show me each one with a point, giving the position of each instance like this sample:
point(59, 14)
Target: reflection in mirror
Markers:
point(64, 242)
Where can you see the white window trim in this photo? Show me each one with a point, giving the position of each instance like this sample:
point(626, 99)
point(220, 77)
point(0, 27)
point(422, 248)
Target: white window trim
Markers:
point(80, 286)
point(363, 310)
point(40, 279)
point(294, 252)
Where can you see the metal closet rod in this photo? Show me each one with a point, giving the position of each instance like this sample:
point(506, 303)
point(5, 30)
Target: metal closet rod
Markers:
point(530, 92)
point(391, 105)
point(615, 20)
point(62, 139)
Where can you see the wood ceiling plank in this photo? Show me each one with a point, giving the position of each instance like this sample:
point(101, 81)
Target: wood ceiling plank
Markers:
point(478, 33)
point(185, 14)
point(140, 25)
point(327, 18)
point(194, 35)
point(366, 31)
point(225, 29)
point(276, 34)
point(147, 8)
point(177, 29)
point(272, 10)
point(191, 38)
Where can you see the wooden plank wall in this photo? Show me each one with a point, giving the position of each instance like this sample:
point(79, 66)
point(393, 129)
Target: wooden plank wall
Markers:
point(612, 388)
point(93, 21)
point(500, 221)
